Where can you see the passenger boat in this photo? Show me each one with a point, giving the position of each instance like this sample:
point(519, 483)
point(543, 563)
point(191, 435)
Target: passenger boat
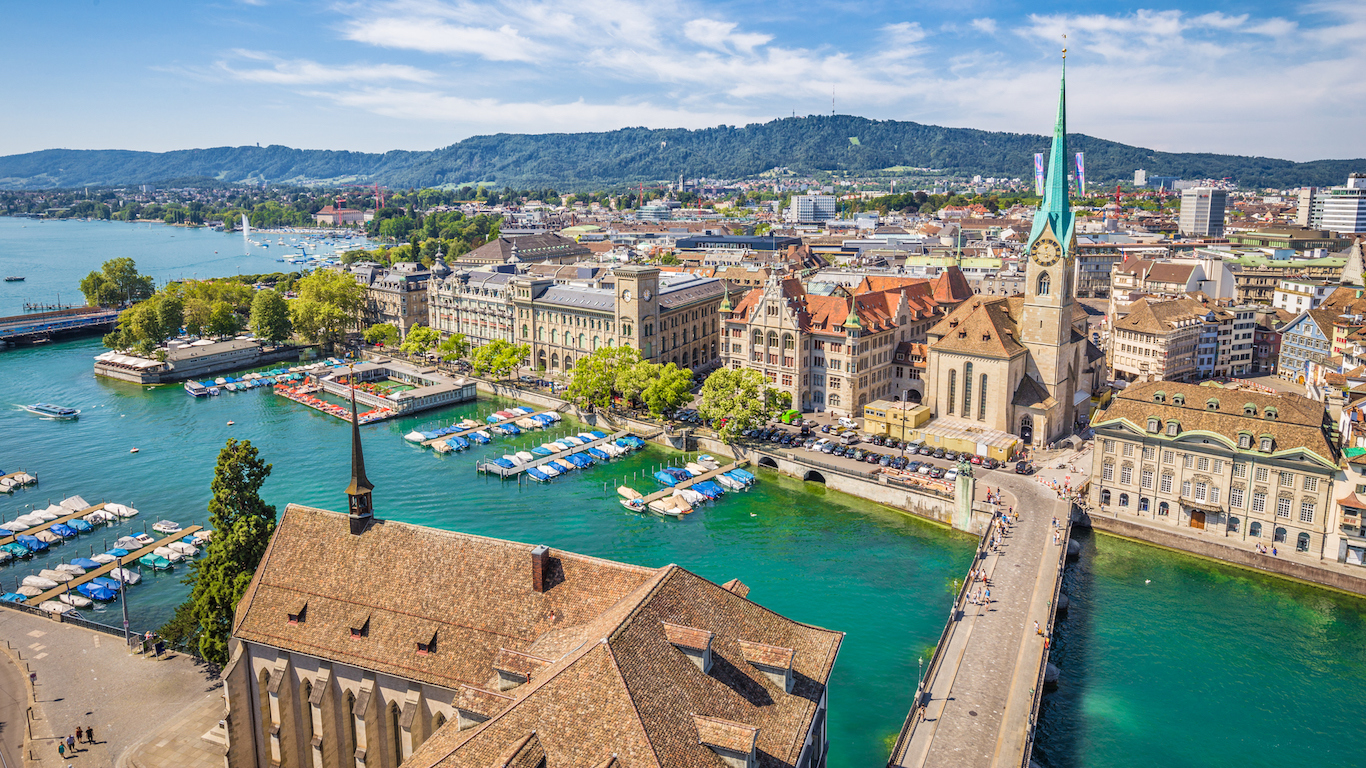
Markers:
point(15, 279)
point(166, 526)
point(52, 411)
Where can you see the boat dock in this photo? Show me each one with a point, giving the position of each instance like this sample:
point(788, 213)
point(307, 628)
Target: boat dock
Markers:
point(491, 468)
point(130, 559)
point(35, 529)
point(657, 495)
point(13, 474)
point(513, 420)
point(45, 326)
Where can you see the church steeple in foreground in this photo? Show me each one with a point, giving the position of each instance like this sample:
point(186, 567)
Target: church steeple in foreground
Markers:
point(1055, 212)
point(358, 493)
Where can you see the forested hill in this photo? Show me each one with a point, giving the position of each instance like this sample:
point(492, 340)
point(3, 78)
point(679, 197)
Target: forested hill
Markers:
point(584, 161)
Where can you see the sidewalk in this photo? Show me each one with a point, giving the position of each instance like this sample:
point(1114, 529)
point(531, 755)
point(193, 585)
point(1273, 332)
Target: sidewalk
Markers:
point(87, 678)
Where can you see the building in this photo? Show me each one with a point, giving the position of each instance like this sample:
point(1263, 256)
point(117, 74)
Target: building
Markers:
point(671, 318)
point(1095, 263)
point(1296, 295)
point(1241, 466)
point(1022, 365)
point(1158, 340)
point(526, 249)
point(335, 216)
point(375, 643)
point(1309, 211)
point(1288, 238)
point(1140, 178)
point(1344, 208)
point(397, 295)
point(1307, 347)
point(473, 302)
point(427, 387)
point(1266, 350)
point(739, 243)
point(835, 352)
point(1202, 212)
point(811, 208)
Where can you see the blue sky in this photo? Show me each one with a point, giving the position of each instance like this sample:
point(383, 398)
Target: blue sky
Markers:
point(1240, 77)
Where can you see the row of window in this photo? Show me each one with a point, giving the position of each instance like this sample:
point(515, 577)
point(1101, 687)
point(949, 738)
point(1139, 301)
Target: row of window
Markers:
point(1163, 509)
point(966, 410)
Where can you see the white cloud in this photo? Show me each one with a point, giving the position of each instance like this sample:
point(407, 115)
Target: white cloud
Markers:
point(721, 36)
point(985, 25)
point(503, 43)
point(306, 72)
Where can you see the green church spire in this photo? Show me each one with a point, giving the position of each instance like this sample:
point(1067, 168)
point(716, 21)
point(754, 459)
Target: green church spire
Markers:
point(1056, 210)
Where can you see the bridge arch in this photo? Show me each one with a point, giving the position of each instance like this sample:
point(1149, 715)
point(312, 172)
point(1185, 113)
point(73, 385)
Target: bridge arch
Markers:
point(814, 477)
point(767, 461)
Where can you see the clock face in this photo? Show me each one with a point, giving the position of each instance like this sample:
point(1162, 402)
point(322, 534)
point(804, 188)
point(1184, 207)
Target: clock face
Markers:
point(1045, 252)
point(646, 296)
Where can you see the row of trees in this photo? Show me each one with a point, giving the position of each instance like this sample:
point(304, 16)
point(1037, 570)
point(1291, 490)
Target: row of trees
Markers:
point(613, 372)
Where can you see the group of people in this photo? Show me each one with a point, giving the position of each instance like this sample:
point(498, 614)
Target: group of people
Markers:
point(981, 595)
point(1262, 550)
point(67, 746)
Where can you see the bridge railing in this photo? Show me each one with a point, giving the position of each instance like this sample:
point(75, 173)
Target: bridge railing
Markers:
point(1043, 664)
point(936, 660)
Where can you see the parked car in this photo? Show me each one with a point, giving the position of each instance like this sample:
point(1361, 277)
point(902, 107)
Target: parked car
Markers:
point(925, 450)
point(825, 428)
point(873, 458)
point(1023, 468)
point(952, 474)
point(990, 463)
point(848, 423)
point(839, 450)
point(938, 453)
point(975, 459)
point(951, 455)
point(937, 472)
point(828, 448)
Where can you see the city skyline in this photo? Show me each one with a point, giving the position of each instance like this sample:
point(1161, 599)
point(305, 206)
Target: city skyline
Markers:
point(416, 74)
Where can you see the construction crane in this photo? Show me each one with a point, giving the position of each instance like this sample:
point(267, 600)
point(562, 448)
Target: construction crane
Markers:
point(379, 196)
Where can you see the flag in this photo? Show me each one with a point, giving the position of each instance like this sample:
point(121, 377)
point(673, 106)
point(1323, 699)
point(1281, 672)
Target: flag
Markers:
point(1038, 174)
point(1081, 173)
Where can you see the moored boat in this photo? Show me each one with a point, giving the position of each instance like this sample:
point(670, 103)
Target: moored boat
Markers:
point(74, 599)
point(166, 526)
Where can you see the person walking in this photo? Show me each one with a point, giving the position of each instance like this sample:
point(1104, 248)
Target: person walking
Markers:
point(61, 749)
point(71, 744)
point(90, 734)
point(78, 733)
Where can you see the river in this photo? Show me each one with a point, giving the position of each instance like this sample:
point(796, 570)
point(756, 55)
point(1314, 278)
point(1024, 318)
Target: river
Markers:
point(1166, 659)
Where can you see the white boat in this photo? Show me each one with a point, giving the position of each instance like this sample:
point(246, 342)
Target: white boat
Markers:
point(98, 517)
point(143, 539)
point(75, 570)
point(48, 537)
point(202, 537)
point(166, 526)
point(513, 459)
point(40, 582)
point(127, 542)
point(442, 447)
point(627, 492)
point(53, 606)
point(708, 461)
point(73, 504)
point(188, 550)
point(29, 520)
point(29, 590)
point(729, 482)
point(414, 437)
point(169, 554)
point(690, 496)
point(526, 456)
point(550, 469)
point(75, 599)
point(635, 505)
point(16, 525)
point(696, 469)
point(52, 574)
point(669, 505)
point(124, 575)
point(48, 515)
point(103, 558)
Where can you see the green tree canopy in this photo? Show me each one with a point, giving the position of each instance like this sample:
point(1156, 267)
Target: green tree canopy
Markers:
point(670, 388)
point(736, 395)
point(223, 321)
point(242, 525)
point(382, 334)
point(499, 358)
point(455, 347)
point(594, 377)
point(329, 303)
point(420, 339)
point(116, 282)
point(270, 316)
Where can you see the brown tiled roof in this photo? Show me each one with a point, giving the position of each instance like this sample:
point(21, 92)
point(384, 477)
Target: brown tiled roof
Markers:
point(687, 637)
point(952, 287)
point(715, 732)
point(1159, 317)
point(1168, 272)
point(768, 655)
point(1030, 394)
point(1298, 422)
point(982, 326)
point(526, 752)
point(524, 664)
point(736, 586)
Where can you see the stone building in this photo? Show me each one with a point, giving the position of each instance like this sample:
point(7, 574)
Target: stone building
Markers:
point(1022, 365)
point(1158, 340)
point(1231, 463)
point(397, 295)
point(370, 643)
point(474, 302)
point(527, 249)
point(832, 352)
point(673, 318)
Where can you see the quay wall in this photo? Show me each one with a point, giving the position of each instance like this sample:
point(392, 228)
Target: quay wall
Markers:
point(207, 369)
point(1215, 551)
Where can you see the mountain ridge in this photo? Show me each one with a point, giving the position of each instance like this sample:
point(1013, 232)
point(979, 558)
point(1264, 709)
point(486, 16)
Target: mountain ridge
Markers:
point(626, 156)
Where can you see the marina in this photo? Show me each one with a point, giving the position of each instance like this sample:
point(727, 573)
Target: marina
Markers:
point(493, 467)
point(33, 530)
point(132, 557)
point(430, 442)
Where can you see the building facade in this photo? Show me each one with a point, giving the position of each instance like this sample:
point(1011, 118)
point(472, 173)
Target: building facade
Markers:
point(397, 295)
point(811, 208)
point(1344, 208)
point(473, 302)
point(1202, 212)
point(1233, 464)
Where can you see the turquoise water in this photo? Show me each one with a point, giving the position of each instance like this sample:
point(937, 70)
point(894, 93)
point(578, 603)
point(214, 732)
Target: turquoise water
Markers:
point(815, 556)
point(1168, 660)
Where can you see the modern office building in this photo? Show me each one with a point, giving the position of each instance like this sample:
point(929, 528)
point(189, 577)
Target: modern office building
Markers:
point(1202, 212)
point(1344, 208)
point(1309, 213)
point(811, 208)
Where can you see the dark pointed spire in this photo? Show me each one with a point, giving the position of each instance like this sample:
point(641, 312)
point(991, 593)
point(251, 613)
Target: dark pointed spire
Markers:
point(358, 493)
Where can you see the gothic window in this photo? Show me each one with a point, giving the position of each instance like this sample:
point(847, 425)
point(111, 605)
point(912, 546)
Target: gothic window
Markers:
point(772, 338)
point(397, 733)
point(758, 338)
point(982, 400)
point(306, 716)
point(1043, 284)
point(953, 384)
point(967, 391)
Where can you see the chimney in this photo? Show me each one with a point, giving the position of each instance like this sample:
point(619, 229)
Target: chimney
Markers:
point(540, 560)
point(774, 662)
point(694, 643)
point(731, 741)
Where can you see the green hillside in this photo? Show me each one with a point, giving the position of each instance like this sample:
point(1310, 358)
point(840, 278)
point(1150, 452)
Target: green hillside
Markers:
point(580, 161)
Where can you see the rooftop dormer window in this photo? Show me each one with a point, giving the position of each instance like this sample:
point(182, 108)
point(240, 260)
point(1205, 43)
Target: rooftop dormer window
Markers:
point(1173, 428)
point(1154, 425)
point(1212, 404)
point(1244, 440)
point(428, 646)
point(360, 626)
point(1178, 399)
point(1266, 443)
point(1270, 413)
point(1249, 409)
point(1159, 396)
point(298, 614)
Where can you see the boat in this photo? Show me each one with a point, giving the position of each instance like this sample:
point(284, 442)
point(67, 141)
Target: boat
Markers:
point(672, 506)
point(127, 544)
point(199, 539)
point(729, 482)
point(48, 537)
point(15, 279)
point(635, 505)
point(536, 474)
point(680, 502)
point(80, 526)
point(63, 530)
point(458, 443)
point(143, 539)
point(741, 474)
point(696, 469)
point(629, 493)
point(513, 460)
point(155, 562)
point(33, 543)
point(170, 554)
point(709, 489)
point(41, 582)
point(74, 599)
point(666, 478)
point(708, 461)
point(97, 592)
point(481, 438)
point(29, 590)
point(107, 583)
point(13, 597)
point(689, 495)
point(166, 526)
point(213, 390)
point(84, 563)
point(442, 447)
point(52, 574)
point(526, 456)
point(564, 465)
point(52, 411)
point(15, 549)
point(53, 606)
point(541, 451)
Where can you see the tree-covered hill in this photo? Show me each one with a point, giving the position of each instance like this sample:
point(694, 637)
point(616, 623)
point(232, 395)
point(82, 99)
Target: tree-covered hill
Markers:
point(580, 161)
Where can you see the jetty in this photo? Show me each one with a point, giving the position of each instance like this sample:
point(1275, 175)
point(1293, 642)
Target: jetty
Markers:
point(46, 326)
point(513, 420)
point(130, 559)
point(15, 474)
point(657, 495)
point(49, 524)
point(494, 469)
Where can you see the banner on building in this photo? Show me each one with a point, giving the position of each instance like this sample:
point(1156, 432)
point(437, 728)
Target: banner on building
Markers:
point(1038, 174)
point(1081, 173)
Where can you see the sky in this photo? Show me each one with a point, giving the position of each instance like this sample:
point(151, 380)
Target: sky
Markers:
point(1249, 77)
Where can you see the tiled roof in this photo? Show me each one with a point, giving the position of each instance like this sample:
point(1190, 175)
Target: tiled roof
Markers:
point(952, 287)
point(982, 326)
point(616, 685)
point(1030, 394)
point(1298, 421)
point(1159, 317)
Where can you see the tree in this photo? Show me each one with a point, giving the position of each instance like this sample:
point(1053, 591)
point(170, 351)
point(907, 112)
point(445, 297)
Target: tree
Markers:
point(737, 396)
point(499, 357)
point(420, 339)
point(197, 314)
point(170, 314)
point(223, 320)
point(382, 334)
point(594, 378)
point(455, 347)
point(329, 303)
point(670, 388)
point(242, 525)
point(270, 316)
point(116, 282)
point(634, 379)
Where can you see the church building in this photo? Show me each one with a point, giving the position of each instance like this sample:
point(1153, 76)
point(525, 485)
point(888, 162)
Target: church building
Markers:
point(1022, 364)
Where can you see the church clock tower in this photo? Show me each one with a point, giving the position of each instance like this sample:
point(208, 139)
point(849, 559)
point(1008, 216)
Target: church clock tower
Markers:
point(1046, 322)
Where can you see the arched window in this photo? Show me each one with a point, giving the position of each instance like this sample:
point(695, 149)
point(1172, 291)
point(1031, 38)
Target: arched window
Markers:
point(1280, 535)
point(1143, 505)
point(1234, 523)
point(263, 695)
point(982, 400)
point(397, 732)
point(349, 725)
point(967, 391)
point(758, 338)
point(554, 337)
point(1163, 509)
point(526, 332)
point(1124, 499)
point(834, 399)
point(953, 383)
point(1104, 497)
point(773, 338)
point(306, 715)
point(540, 334)
point(438, 720)
point(1043, 284)
point(788, 342)
point(596, 341)
point(1255, 530)
point(583, 341)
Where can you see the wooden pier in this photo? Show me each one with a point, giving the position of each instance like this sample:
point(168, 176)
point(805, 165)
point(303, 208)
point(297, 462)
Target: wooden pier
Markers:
point(514, 420)
point(43, 527)
point(657, 495)
point(14, 474)
point(130, 559)
point(491, 468)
